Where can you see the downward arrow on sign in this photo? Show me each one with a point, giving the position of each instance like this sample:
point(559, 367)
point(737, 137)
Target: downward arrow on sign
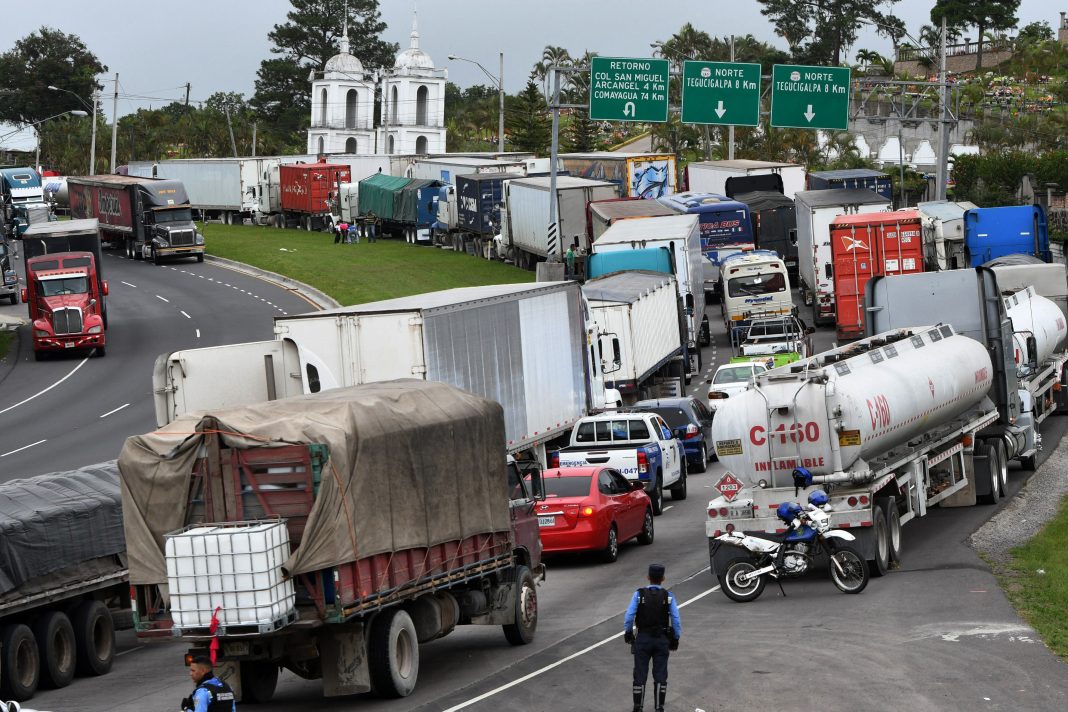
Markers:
point(720, 111)
point(809, 115)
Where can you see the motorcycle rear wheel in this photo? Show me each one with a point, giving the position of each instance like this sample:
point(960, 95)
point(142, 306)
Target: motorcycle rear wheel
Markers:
point(849, 571)
point(736, 589)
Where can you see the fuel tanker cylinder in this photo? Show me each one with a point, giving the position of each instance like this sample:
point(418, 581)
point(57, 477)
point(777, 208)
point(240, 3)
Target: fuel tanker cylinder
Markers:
point(855, 402)
point(56, 186)
point(1034, 315)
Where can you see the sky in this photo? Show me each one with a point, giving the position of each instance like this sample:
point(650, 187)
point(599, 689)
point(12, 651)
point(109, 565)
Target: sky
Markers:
point(217, 45)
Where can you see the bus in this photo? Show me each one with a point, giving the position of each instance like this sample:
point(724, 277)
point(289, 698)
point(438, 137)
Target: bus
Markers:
point(754, 286)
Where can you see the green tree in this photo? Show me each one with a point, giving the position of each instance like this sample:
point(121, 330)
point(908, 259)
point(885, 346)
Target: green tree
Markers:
point(821, 31)
point(582, 134)
point(527, 120)
point(304, 43)
point(983, 15)
point(42, 58)
point(1034, 33)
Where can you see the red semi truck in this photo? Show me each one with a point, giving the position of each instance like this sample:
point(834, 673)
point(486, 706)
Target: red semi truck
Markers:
point(65, 289)
point(148, 217)
point(870, 245)
point(309, 190)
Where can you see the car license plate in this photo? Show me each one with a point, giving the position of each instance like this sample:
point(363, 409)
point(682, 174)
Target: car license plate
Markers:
point(69, 345)
point(546, 521)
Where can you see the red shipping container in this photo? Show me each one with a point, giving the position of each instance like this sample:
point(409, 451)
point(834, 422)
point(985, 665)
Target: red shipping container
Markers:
point(869, 245)
point(306, 187)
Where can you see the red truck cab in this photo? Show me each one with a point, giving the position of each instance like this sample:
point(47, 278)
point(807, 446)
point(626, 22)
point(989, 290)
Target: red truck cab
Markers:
point(66, 302)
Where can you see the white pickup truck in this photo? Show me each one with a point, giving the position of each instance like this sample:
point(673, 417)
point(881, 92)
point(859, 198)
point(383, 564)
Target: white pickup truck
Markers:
point(638, 445)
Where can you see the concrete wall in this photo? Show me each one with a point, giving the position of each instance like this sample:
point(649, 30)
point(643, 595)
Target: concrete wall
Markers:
point(955, 63)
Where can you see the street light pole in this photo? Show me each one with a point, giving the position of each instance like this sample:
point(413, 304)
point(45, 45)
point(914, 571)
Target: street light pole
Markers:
point(114, 121)
point(499, 81)
point(92, 142)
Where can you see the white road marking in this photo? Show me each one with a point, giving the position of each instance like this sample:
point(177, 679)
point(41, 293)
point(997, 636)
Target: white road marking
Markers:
point(24, 447)
point(46, 390)
point(198, 333)
point(226, 284)
point(131, 650)
point(125, 405)
point(130, 285)
point(668, 507)
point(185, 315)
point(558, 663)
point(163, 299)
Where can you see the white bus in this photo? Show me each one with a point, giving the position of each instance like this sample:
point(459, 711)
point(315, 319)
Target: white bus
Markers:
point(755, 285)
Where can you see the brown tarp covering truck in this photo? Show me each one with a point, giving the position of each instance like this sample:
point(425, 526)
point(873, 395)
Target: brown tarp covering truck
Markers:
point(412, 464)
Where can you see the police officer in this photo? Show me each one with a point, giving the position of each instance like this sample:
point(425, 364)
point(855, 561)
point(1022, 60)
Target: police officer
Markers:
point(654, 612)
point(211, 693)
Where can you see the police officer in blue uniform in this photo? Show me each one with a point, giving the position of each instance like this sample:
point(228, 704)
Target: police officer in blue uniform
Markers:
point(211, 693)
point(654, 612)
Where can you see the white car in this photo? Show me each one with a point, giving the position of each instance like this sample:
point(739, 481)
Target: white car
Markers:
point(731, 379)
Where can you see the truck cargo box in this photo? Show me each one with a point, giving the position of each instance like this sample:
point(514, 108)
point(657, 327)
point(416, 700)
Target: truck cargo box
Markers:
point(990, 233)
point(732, 178)
point(602, 214)
point(852, 179)
point(479, 199)
point(64, 236)
point(774, 219)
point(528, 212)
point(378, 195)
point(638, 175)
point(306, 187)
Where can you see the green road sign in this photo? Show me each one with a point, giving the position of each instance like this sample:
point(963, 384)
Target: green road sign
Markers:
point(809, 97)
point(623, 89)
point(725, 93)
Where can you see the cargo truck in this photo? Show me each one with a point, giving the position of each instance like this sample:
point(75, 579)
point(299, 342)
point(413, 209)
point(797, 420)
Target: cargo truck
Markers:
point(852, 179)
point(525, 237)
point(150, 218)
point(447, 169)
point(774, 220)
point(62, 578)
point(943, 234)
point(866, 246)
point(289, 534)
point(402, 205)
point(602, 214)
point(990, 233)
point(527, 346)
point(732, 178)
point(725, 227)
point(635, 175)
point(640, 342)
point(816, 210)
point(309, 192)
point(18, 186)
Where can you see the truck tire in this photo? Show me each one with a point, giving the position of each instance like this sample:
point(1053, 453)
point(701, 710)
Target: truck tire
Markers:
point(991, 475)
point(1003, 467)
point(678, 491)
point(100, 351)
point(94, 632)
point(200, 257)
point(893, 528)
point(155, 256)
point(393, 654)
point(657, 495)
point(57, 648)
point(258, 680)
point(521, 632)
point(20, 662)
point(880, 533)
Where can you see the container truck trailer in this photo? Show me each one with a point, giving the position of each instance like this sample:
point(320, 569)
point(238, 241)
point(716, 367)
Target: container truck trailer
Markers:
point(774, 220)
point(602, 214)
point(356, 555)
point(150, 218)
point(852, 179)
point(635, 175)
point(732, 178)
point(446, 169)
point(309, 191)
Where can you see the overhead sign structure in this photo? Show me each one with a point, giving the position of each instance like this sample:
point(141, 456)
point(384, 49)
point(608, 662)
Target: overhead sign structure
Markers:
point(723, 93)
point(810, 97)
point(629, 89)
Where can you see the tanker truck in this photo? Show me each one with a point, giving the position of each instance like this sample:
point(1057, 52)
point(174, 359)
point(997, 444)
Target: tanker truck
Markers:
point(908, 418)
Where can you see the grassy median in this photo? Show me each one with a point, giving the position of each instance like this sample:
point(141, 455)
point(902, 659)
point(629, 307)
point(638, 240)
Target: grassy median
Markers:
point(354, 274)
point(6, 339)
point(1037, 582)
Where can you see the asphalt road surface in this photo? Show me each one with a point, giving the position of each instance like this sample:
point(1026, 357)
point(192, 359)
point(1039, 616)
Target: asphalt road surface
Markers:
point(934, 634)
point(73, 410)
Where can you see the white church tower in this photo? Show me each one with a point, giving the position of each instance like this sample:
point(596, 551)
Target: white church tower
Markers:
point(413, 116)
point(342, 105)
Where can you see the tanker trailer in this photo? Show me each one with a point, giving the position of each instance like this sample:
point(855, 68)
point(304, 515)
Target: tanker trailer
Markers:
point(886, 426)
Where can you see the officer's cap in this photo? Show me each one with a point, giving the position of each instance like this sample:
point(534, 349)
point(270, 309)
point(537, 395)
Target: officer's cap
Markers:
point(656, 571)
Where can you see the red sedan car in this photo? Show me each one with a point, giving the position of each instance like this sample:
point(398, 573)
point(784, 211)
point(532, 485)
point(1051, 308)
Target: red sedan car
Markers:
point(593, 509)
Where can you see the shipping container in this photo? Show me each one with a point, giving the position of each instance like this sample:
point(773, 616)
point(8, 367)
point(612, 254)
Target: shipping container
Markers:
point(447, 169)
point(479, 199)
point(637, 175)
point(852, 179)
point(527, 202)
point(602, 214)
point(309, 190)
point(731, 178)
point(866, 246)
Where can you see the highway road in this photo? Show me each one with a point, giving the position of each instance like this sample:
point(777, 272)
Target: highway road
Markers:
point(74, 410)
point(935, 634)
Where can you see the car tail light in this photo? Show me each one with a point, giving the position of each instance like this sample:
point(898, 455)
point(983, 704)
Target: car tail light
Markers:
point(554, 460)
point(643, 462)
point(586, 511)
point(692, 432)
point(716, 395)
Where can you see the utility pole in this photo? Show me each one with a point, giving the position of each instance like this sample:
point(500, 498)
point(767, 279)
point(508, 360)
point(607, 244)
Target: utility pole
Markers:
point(187, 93)
point(114, 121)
point(730, 129)
point(943, 127)
point(92, 141)
point(253, 139)
point(554, 243)
point(500, 108)
point(229, 125)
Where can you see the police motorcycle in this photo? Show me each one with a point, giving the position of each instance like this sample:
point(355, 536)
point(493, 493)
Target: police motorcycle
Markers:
point(808, 534)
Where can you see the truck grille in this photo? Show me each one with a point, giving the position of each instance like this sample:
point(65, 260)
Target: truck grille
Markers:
point(67, 320)
point(182, 238)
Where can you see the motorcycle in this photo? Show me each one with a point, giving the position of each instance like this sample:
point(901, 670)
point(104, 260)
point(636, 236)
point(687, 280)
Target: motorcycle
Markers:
point(808, 534)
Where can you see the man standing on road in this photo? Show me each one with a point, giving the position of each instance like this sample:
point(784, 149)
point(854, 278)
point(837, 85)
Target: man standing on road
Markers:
point(653, 610)
point(211, 693)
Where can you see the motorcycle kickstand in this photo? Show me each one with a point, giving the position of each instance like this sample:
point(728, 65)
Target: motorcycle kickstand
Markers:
point(781, 590)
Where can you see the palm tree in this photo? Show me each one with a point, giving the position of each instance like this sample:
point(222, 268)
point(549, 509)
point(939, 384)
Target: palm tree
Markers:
point(553, 55)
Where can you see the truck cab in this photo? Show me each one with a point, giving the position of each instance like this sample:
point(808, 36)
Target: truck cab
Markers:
point(9, 280)
point(66, 302)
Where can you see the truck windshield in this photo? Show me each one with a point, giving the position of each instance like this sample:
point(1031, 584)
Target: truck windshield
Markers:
point(77, 284)
point(757, 284)
point(175, 215)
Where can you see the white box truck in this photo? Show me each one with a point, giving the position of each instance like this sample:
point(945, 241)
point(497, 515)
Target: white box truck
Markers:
point(637, 313)
point(816, 210)
point(732, 178)
point(522, 345)
point(526, 222)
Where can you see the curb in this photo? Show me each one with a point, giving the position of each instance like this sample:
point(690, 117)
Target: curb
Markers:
point(320, 299)
point(629, 141)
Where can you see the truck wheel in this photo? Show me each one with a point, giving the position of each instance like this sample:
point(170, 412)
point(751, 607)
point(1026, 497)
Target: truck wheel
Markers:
point(610, 553)
point(678, 492)
point(648, 532)
point(55, 642)
point(14, 298)
point(1003, 468)
point(155, 256)
point(200, 257)
point(893, 527)
point(881, 535)
point(94, 632)
point(20, 662)
point(100, 351)
point(991, 475)
point(258, 680)
point(657, 496)
point(526, 609)
point(39, 355)
point(393, 654)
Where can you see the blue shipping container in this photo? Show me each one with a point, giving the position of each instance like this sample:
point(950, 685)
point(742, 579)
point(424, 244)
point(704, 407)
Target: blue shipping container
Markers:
point(990, 233)
point(852, 178)
point(479, 199)
point(726, 226)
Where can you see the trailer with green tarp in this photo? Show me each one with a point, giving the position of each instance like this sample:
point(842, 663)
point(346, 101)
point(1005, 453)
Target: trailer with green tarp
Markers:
point(378, 195)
